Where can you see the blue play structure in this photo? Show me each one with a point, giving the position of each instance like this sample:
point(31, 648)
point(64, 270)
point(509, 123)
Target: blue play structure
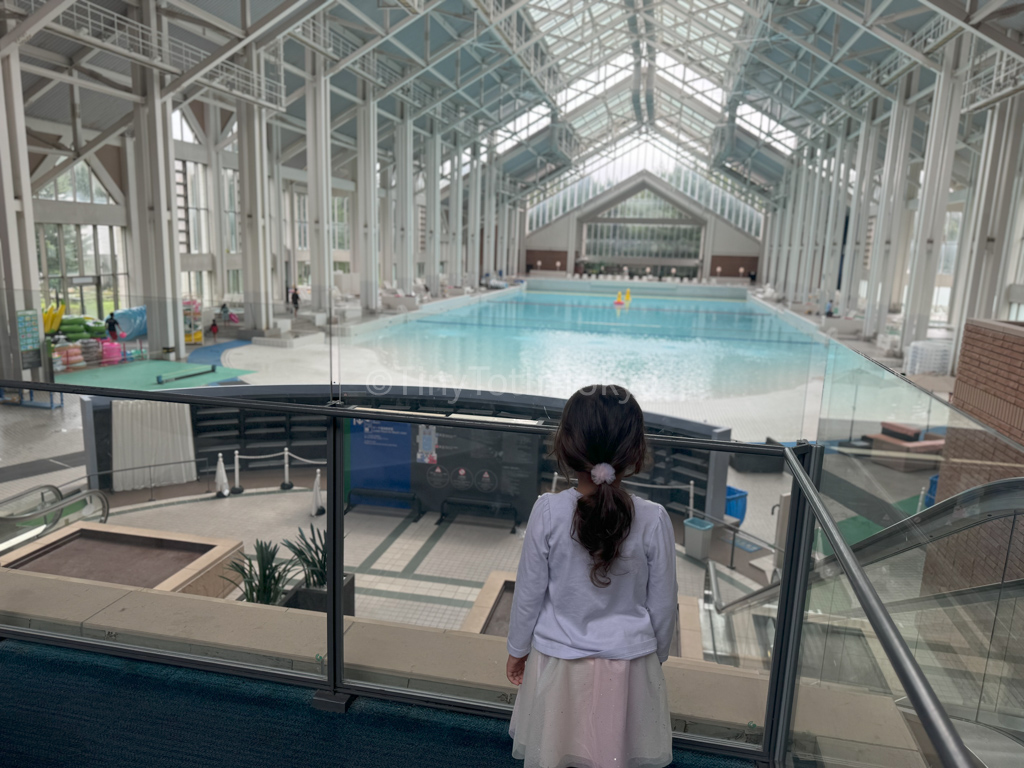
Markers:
point(132, 321)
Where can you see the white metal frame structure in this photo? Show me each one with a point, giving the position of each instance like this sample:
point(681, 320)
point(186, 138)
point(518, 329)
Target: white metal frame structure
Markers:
point(840, 133)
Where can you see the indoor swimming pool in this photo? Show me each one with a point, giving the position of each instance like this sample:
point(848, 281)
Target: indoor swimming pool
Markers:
point(663, 349)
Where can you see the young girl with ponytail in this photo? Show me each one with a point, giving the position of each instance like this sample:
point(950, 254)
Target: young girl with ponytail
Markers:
point(595, 602)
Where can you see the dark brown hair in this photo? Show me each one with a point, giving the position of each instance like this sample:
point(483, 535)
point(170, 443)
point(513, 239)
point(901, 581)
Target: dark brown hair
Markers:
point(601, 424)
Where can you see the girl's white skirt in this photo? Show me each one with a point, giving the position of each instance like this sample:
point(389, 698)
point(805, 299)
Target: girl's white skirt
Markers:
point(592, 713)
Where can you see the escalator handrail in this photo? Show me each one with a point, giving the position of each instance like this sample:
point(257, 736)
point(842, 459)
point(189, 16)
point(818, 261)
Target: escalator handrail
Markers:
point(914, 529)
point(943, 736)
point(60, 505)
point(982, 495)
point(39, 489)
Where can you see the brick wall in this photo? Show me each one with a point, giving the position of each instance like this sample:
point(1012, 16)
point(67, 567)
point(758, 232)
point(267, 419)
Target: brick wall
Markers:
point(989, 387)
point(990, 376)
point(731, 265)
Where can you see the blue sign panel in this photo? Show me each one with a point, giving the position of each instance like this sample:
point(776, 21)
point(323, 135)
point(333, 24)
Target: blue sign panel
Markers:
point(378, 458)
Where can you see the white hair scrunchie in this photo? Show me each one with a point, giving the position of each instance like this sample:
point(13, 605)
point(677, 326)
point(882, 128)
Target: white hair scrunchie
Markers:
point(602, 473)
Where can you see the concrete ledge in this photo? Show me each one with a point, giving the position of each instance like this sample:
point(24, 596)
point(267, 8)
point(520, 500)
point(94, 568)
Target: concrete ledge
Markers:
point(704, 697)
point(478, 615)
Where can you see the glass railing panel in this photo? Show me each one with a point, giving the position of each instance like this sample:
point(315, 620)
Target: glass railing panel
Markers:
point(685, 351)
point(434, 531)
point(954, 600)
point(850, 708)
point(158, 539)
point(894, 450)
point(1001, 701)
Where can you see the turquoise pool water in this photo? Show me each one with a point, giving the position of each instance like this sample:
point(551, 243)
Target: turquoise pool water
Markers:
point(550, 343)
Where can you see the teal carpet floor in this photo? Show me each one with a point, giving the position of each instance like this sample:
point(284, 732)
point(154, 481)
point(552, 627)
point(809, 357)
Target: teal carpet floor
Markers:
point(73, 709)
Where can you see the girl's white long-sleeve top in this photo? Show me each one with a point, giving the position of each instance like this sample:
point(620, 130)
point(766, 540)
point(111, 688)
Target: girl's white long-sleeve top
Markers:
point(560, 612)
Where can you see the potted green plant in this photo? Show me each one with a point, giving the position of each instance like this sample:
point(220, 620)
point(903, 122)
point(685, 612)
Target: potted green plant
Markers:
point(311, 555)
point(263, 578)
point(310, 552)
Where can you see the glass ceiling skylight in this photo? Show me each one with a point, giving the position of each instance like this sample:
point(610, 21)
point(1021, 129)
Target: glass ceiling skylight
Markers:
point(765, 128)
point(629, 156)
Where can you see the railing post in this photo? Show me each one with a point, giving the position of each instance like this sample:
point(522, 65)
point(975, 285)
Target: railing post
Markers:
point(330, 697)
point(287, 485)
point(237, 487)
point(789, 621)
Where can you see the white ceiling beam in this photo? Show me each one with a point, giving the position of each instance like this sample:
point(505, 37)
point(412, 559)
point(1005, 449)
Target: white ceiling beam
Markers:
point(81, 83)
point(32, 24)
point(289, 14)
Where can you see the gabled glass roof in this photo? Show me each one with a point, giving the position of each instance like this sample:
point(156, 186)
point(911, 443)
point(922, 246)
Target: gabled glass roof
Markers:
point(640, 72)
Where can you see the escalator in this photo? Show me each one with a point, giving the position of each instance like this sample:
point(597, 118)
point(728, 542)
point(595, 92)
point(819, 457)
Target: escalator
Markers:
point(952, 579)
point(33, 513)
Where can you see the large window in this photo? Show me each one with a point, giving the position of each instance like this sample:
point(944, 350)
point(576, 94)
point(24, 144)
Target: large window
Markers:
point(196, 285)
point(82, 266)
point(78, 184)
point(234, 281)
point(301, 222)
point(339, 223)
point(231, 235)
point(180, 128)
point(193, 207)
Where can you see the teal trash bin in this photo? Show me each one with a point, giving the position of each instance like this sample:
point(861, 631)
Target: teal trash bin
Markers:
point(698, 537)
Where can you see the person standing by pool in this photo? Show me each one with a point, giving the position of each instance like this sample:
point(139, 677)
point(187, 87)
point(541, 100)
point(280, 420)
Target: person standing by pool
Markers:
point(112, 326)
point(595, 602)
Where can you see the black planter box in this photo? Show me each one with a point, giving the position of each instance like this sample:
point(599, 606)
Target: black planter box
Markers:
point(315, 598)
point(752, 462)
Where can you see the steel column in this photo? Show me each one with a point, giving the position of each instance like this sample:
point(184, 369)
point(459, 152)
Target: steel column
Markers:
point(318, 177)
point(501, 262)
point(456, 261)
point(387, 225)
point(432, 180)
point(796, 246)
point(473, 226)
point(252, 160)
point(490, 209)
point(405, 202)
point(836, 213)
point(894, 171)
point(19, 270)
point(159, 257)
point(933, 199)
point(897, 236)
point(810, 254)
point(367, 202)
point(857, 227)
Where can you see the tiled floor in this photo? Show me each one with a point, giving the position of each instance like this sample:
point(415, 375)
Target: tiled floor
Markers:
point(472, 550)
point(39, 433)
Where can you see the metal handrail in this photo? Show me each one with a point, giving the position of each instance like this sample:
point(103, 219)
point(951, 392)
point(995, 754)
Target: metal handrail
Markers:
point(39, 489)
point(67, 501)
point(88, 476)
point(936, 722)
point(716, 592)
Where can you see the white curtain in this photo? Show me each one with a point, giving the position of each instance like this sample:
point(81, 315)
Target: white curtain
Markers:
point(152, 444)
